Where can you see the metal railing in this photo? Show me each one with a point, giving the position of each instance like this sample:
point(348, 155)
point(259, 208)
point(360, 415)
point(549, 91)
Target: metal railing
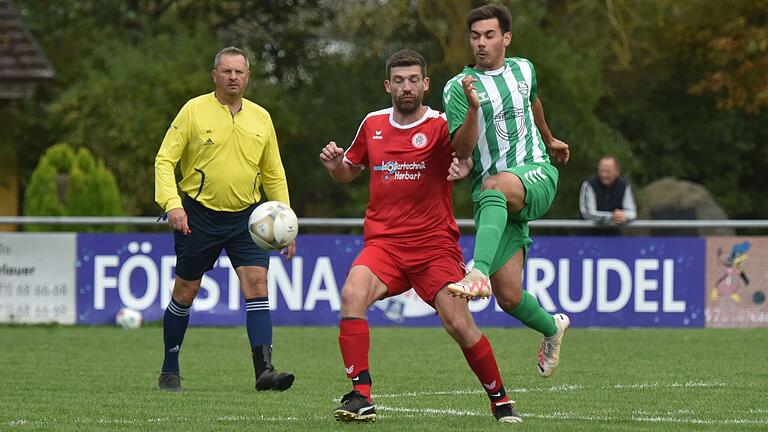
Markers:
point(358, 222)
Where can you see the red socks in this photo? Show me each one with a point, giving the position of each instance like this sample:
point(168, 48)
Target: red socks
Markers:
point(483, 363)
point(355, 343)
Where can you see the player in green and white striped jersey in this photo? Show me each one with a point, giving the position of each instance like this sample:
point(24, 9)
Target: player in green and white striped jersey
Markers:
point(494, 114)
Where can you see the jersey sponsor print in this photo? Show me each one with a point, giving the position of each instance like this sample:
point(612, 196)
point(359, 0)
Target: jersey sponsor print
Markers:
point(410, 197)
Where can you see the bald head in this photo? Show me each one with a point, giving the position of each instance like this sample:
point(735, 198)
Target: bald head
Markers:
point(608, 169)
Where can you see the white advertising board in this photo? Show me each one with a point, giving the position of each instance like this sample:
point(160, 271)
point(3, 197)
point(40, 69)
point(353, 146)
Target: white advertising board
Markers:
point(37, 278)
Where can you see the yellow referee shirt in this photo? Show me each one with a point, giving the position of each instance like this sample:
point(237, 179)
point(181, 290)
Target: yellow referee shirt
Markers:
point(224, 158)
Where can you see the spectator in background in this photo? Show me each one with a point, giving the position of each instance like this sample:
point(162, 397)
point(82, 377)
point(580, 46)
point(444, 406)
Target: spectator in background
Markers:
point(606, 198)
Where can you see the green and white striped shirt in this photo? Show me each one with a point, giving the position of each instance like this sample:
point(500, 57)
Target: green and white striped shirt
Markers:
point(508, 135)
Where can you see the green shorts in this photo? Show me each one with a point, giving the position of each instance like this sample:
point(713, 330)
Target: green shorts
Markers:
point(540, 181)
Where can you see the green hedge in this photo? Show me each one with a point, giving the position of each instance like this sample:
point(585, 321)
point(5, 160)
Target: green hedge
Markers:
point(69, 183)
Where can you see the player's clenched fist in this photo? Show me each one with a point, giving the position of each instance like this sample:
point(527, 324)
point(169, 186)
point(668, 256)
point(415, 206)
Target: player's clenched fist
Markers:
point(332, 156)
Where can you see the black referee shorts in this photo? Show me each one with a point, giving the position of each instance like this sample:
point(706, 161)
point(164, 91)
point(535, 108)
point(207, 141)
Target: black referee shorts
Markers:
point(212, 231)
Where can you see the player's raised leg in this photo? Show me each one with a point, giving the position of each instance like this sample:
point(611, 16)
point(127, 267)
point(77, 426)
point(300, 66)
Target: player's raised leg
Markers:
point(512, 299)
point(457, 320)
point(253, 283)
point(175, 322)
point(360, 290)
point(500, 194)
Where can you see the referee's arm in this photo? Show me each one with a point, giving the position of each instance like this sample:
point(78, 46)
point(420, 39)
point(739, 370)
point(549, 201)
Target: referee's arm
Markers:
point(272, 172)
point(176, 139)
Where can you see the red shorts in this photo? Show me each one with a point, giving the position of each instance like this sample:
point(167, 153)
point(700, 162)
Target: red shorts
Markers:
point(402, 266)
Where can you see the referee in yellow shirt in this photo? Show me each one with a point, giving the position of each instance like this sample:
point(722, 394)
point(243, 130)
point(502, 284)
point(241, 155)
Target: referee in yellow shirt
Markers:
point(227, 148)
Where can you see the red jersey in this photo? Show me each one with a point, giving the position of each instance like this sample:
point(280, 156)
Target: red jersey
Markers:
point(410, 197)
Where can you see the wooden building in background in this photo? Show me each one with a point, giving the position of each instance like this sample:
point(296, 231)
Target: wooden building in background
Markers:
point(23, 66)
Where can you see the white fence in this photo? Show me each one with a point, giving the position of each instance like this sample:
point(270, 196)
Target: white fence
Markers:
point(358, 222)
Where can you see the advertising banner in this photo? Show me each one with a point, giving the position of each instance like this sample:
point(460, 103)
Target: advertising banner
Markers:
point(619, 281)
point(37, 278)
point(610, 282)
point(737, 282)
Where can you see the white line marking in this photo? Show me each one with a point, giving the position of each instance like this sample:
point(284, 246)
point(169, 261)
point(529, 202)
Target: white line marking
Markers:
point(701, 421)
point(567, 416)
point(422, 412)
point(559, 388)
point(688, 384)
point(678, 412)
point(655, 419)
point(126, 421)
point(431, 411)
point(575, 416)
point(263, 418)
point(432, 393)
point(402, 412)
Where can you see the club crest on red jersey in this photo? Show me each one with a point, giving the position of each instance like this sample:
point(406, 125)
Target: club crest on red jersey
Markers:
point(419, 140)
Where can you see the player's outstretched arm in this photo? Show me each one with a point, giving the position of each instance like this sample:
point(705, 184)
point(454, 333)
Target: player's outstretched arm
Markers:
point(465, 138)
point(332, 158)
point(557, 149)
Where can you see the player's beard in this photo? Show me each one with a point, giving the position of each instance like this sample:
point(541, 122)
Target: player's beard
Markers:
point(408, 106)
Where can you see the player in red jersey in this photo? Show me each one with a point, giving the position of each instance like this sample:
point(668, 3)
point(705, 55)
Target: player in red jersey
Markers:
point(411, 237)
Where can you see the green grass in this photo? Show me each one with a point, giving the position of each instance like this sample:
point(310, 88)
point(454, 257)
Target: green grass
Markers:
point(102, 378)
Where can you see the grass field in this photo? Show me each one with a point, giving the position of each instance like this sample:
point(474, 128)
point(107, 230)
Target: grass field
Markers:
point(102, 378)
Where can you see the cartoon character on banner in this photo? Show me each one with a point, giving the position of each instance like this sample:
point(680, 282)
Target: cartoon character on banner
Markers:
point(732, 272)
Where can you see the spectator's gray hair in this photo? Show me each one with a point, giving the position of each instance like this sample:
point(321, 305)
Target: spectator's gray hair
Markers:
point(610, 157)
point(231, 50)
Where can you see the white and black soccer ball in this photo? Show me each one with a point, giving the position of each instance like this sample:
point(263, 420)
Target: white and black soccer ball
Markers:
point(273, 225)
point(128, 319)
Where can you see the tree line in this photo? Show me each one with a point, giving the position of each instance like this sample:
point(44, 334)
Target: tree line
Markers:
point(671, 88)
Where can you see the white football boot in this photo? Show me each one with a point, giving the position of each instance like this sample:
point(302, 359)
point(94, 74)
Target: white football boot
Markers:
point(474, 285)
point(549, 351)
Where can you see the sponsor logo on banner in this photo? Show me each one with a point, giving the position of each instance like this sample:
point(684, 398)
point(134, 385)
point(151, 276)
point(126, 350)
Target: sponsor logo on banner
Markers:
point(737, 282)
point(404, 306)
point(610, 282)
point(619, 281)
point(137, 271)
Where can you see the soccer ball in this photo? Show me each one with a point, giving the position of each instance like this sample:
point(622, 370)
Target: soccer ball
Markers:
point(128, 319)
point(273, 225)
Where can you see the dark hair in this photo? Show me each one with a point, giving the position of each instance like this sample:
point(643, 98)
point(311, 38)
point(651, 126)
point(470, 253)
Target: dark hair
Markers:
point(491, 10)
point(230, 50)
point(406, 57)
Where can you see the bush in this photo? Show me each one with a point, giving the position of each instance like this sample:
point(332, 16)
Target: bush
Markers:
point(69, 183)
